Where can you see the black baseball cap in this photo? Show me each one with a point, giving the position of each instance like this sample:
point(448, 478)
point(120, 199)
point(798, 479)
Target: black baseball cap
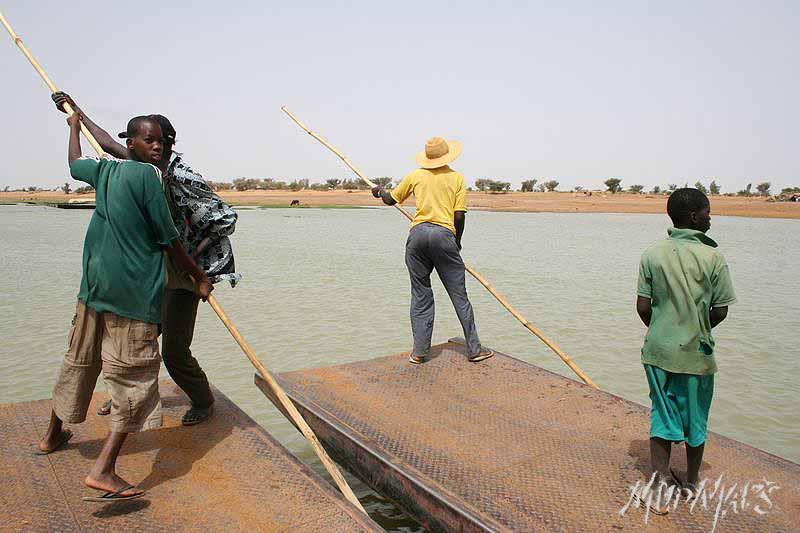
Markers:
point(167, 131)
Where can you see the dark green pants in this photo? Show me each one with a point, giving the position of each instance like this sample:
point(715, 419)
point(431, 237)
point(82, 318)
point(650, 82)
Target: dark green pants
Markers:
point(178, 316)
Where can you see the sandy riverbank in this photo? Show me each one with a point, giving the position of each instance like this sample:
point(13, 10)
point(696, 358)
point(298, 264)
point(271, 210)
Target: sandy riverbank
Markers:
point(557, 202)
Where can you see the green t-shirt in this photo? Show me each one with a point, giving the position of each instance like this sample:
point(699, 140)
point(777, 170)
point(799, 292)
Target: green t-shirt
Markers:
point(684, 276)
point(123, 260)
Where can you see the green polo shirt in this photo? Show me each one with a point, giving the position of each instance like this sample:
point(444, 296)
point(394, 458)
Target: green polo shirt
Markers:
point(684, 276)
point(123, 260)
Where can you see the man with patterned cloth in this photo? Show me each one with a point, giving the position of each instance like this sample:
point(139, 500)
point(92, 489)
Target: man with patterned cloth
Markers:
point(204, 222)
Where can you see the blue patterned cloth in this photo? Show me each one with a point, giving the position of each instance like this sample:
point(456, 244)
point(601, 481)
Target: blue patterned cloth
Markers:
point(198, 213)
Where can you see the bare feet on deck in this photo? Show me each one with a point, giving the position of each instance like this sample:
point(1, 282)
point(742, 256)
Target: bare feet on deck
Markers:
point(53, 441)
point(111, 483)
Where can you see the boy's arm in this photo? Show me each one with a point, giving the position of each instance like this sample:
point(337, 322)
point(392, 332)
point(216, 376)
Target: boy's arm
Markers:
point(165, 233)
point(459, 219)
point(644, 290)
point(398, 194)
point(205, 243)
point(644, 307)
point(386, 196)
point(186, 264)
point(106, 141)
point(74, 151)
point(717, 315)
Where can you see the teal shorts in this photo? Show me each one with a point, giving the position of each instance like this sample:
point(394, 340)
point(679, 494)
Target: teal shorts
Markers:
point(680, 405)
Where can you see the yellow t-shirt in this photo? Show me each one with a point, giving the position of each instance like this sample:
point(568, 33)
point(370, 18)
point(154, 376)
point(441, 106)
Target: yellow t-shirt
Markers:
point(439, 193)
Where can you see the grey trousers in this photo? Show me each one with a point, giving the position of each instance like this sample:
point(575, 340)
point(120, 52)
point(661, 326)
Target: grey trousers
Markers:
point(430, 246)
point(178, 316)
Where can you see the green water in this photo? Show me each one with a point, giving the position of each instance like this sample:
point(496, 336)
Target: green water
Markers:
point(323, 287)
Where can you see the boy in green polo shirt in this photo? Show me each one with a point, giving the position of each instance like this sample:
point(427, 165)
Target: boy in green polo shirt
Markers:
point(684, 291)
point(115, 327)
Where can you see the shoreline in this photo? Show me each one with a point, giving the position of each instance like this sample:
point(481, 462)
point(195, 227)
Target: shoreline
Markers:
point(520, 202)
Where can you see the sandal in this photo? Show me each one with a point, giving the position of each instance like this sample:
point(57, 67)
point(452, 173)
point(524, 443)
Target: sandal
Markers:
point(415, 359)
point(104, 409)
point(114, 496)
point(63, 439)
point(195, 415)
point(485, 353)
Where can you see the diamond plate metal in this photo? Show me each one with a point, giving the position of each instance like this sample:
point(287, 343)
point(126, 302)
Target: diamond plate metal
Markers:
point(503, 444)
point(224, 474)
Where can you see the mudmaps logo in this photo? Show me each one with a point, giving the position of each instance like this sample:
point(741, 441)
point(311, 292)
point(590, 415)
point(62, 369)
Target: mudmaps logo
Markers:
point(718, 498)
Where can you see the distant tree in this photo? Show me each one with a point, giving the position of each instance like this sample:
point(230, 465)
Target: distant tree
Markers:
point(528, 185)
point(352, 185)
point(32, 188)
point(656, 190)
point(5, 189)
point(636, 189)
point(763, 188)
point(785, 190)
point(613, 184)
point(550, 185)
point(333, 183)
point(672, 187)
point(700, 187)
point(541, 188)
point(499, 186)
point(577, 188)
point(713, 188)
point(482, 184)
point(241, 184)
point(747, 191)
point(298, 185)
point(270, 184)
point(384, 182)
point(66, 188)
point(84, 190)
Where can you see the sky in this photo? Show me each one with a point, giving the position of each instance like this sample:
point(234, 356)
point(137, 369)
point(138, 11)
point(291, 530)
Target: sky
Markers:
point(577, 91)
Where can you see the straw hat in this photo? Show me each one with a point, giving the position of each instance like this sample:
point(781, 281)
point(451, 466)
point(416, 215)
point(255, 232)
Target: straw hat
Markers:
point(438, 153)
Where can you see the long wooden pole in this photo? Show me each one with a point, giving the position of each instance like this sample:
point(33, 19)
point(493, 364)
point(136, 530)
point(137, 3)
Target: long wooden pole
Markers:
point(294, 414)
point(516, 314)
point(49, 82)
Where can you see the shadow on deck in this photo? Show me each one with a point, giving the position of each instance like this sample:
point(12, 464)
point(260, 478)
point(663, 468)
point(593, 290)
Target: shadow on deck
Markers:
point(224, 474)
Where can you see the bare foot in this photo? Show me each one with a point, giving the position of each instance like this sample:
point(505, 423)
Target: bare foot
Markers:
point(53, 441)
point(111, 483)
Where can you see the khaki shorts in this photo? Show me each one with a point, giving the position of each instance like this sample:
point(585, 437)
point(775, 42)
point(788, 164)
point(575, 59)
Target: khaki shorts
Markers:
point(126, 351)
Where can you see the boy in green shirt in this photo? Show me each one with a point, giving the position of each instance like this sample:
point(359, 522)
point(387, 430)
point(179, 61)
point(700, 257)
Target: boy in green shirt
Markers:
point(684, 291)
point(115, 327)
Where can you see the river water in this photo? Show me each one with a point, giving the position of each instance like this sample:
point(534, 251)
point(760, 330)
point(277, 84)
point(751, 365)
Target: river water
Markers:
point(329, 286)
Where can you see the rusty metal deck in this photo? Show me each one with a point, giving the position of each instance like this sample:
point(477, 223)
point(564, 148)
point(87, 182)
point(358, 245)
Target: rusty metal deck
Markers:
point(225, 474)
point(503, 444)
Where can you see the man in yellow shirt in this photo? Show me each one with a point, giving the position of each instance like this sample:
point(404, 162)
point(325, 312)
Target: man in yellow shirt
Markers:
point(435, 242)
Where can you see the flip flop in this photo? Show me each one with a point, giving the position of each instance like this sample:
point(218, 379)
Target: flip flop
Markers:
point(191, 417)
point(415, 359)
point(65, 436)
point(687, 490)
point(653, 509)
point(480, 356)
point(114, 496)
point(104, 409)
